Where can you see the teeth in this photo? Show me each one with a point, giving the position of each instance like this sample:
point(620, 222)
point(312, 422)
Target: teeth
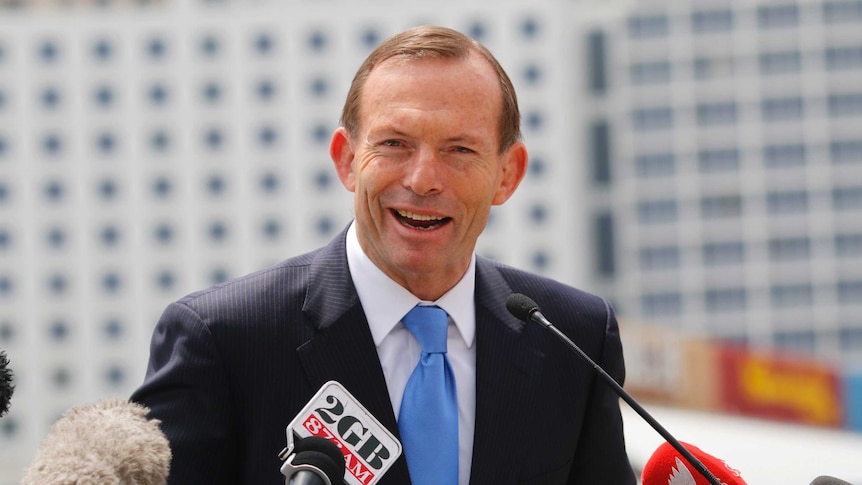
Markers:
point(418, 217)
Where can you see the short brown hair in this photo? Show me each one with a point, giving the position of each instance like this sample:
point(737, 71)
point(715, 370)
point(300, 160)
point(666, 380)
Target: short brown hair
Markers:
point(439, 42)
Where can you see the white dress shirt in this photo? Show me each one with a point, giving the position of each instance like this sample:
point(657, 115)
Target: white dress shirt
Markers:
point(385, 302)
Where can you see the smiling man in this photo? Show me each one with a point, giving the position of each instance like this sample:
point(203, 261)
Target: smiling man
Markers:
point(429, 141)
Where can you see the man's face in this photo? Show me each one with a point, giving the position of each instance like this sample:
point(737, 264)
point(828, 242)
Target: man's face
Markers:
point(425, 167)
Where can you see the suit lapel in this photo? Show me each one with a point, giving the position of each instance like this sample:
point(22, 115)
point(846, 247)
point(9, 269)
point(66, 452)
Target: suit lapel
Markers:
point(505, 366)
point(343, 348)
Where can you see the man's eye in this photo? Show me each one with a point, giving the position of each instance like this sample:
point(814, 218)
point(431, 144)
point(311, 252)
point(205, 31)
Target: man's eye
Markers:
point(392, 143)
point(463, 150)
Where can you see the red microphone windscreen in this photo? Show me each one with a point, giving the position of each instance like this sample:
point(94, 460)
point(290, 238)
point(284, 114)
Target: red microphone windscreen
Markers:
point(667, 466)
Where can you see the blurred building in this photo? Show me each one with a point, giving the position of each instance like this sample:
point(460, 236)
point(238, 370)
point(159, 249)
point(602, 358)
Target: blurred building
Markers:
point(699, 163)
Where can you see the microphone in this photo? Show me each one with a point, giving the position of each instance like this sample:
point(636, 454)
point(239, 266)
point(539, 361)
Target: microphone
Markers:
point(6, 386)
point(110, 442)
point(665, 468)
point(525, 309)
point(826, 480)
point(335, 428)
point(315, 461)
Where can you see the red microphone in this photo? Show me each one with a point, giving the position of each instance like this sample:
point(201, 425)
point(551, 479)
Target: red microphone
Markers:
point(667, 466)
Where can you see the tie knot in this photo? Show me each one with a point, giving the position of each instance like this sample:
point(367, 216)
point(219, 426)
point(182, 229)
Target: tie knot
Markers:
point(429, 324)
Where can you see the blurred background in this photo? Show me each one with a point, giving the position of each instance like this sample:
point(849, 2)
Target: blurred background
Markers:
point(699, 163)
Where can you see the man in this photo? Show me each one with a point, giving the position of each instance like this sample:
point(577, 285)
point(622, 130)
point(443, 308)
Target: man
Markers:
point(429, 141)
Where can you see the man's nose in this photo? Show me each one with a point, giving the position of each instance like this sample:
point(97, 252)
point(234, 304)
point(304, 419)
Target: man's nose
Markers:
point(423, 172)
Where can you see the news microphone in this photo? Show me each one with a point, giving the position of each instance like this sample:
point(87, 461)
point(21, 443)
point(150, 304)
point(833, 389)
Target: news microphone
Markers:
point(315, 461)
point(110, 442)
point(664, 467)
point(6, 386)
point(525, 309)
point(363, 446)
point(825, 480)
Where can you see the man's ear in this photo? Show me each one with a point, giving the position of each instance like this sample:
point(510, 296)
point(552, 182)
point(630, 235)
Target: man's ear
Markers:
point(514, 166)
point(341, 152)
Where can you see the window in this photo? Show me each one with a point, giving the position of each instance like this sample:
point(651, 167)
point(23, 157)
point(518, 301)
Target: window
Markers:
point(789, 249)
point(664, 257)
point(601, 152)
point(661, 304)
point(846, 151)
point(648, 26)
point(716, 113)
point(712, 67)
point(779, 109)
point(791, 202)
point(725, 252)
point(777, 16)
point(847, 198)
point(784, 156)
point(721, 206)
point(597, 63)
point(725, 299)
point(718, 160)
point(646, 119)
point(802, 340)
point(845, 104)
point(655, 164)
point(779, 62)
point(798, 295)
point(530, 28)
point(317, 41)
point(603, 232)
point(263, 44)
point(657, 72)
point(657, 211)
point(838, 58)
point(709, 21)
point(840, 11)
point(848, 245)
point(850, 292)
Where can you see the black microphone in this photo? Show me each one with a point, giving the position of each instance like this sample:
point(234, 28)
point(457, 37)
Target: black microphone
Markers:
point(527, 310)
point(825, 480)
point(315, 461)
point(6, 386)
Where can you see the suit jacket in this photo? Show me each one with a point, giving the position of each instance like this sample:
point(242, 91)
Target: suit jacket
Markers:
point(230, 367)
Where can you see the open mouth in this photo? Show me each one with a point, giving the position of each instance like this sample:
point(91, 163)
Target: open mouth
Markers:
point(419, 221)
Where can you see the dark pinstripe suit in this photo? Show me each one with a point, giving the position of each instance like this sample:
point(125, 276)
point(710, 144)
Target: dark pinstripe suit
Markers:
point(230, 366)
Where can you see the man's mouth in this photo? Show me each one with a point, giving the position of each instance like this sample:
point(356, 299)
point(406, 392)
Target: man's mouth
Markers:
point(419, 221)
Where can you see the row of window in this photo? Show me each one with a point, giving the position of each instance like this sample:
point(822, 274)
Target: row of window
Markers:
point(730, 159)
point(768, 16)
point(775, 203)
point(728, 112)
point(722, 253)
point(769, 63)
point(736, 299)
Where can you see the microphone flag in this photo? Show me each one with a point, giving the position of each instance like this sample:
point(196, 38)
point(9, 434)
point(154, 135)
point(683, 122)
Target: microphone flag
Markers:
point(333, 413)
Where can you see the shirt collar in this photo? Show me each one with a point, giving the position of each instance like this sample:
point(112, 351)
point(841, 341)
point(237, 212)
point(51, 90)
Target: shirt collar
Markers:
point(385, 302)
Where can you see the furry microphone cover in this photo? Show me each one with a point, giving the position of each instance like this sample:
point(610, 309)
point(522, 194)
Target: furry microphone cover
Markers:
point(110, 442)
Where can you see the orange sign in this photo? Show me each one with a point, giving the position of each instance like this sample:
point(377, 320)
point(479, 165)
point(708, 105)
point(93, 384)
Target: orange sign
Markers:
point(780, 386)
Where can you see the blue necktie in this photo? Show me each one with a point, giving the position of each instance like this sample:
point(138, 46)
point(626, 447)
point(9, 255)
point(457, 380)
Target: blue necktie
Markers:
point(428, 420)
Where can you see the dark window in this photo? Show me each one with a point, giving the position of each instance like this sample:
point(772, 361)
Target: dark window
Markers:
point(650, 72)
point(838, 58)
point(718, 160)
point(655, 164)
point(798, 340)
point(721, 206)
point(657, 211)
point(790, 202)
point(850, 291)
point(799, 295)
point(725, 299)
point(708, 21)
point(776, 16)
point(716, 113)
point(847, 245)
point(661, 304)
point(846, 151)
point(841, 11)
point(784, 156)
point(789, 249)
point(780, 62)
point(664, 257)
point(778, 109)
point(847, 198)
point(597, 62)
point(603, 231)
point(646, 119)
point(601, 152)
point(725, 252)
point(845, 104)
point(648, 26)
